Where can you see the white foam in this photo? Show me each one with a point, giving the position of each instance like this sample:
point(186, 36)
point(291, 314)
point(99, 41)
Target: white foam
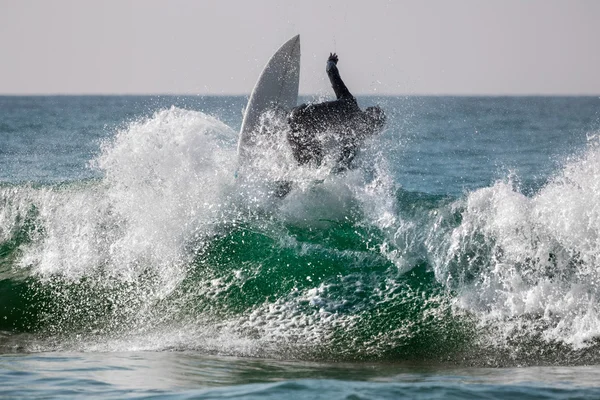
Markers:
point(532, 258)
point(165, 180)
point(168, 183)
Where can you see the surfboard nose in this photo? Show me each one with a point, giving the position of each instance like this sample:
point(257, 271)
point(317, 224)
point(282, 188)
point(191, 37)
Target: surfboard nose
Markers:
point(292, 46)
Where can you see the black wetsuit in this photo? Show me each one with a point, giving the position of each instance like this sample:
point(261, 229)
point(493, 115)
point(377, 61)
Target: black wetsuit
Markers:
point(343, 117)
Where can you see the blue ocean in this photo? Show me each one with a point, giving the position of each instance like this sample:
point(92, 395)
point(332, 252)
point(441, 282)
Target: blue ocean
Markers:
point(458, 258)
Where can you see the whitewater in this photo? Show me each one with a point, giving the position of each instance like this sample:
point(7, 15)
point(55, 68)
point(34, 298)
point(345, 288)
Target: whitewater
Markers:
point(466, 237)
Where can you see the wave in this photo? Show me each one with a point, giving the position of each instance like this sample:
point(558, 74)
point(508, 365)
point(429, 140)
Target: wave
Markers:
point(531, 262)
point(168, 250)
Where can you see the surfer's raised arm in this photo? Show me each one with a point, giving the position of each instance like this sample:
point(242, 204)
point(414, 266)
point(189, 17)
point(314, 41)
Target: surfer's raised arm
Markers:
point(342, 117)
point(340, 89)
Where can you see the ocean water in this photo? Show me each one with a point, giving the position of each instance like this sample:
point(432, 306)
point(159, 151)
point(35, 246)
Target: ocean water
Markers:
point(459, 258)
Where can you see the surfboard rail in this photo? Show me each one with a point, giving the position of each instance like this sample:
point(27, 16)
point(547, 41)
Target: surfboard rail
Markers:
point(276, 87)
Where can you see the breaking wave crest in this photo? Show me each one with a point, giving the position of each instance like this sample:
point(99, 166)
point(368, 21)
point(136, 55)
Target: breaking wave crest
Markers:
point(169, 251)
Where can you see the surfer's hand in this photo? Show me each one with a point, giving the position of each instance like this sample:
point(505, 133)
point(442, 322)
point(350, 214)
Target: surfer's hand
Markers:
point(333, 57)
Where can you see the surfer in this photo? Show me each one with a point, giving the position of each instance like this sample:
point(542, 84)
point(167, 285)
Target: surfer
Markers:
point(343, 117)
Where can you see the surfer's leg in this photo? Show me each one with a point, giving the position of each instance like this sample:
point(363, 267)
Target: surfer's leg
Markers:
point(306, 148)
point(347, 154)
point(297, 117)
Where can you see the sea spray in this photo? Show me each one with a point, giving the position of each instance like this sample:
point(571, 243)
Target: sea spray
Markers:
point(528, 265)
point(167, 250)
point(122, 242)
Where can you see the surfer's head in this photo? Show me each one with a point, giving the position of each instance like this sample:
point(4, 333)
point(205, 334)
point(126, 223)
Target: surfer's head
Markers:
point(376, 118)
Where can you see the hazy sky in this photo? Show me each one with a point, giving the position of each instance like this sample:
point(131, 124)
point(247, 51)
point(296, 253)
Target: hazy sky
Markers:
point(220, 47)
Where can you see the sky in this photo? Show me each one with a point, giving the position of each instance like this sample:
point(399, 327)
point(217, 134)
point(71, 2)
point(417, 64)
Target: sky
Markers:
point(425, 47)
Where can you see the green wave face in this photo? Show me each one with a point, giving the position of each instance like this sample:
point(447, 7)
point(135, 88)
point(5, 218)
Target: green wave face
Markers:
point(168, 251)
point(320, 288)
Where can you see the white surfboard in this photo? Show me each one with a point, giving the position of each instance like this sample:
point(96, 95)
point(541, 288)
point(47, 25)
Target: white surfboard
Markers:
point(277, 87)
